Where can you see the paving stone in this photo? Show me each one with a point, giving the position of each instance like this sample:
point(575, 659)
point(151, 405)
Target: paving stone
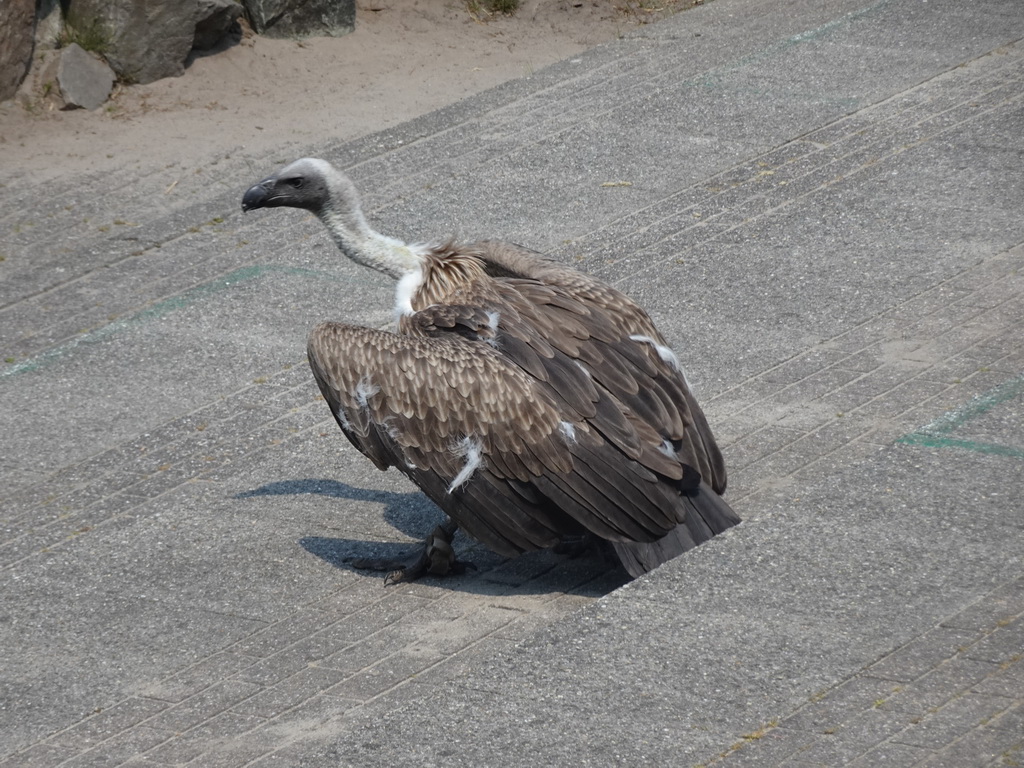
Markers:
point(199, 676)
point(775, 746)
point(831, 709)
point(120, 747)
point(953, 720)
point(40, 756)
point(924, 653)
point(204, 705)
point(108, 722)
point(902, 398)
point(856, 736)
point(204, 737)
point(1006, 680)
point(761, 444)
point(947, 681)
point(386, 674)
point(1000, 606)
point(290, 692)
point(891, 755)
point(1003, 645)
point(1012, 719)
point(977, 748)
point(284, 633)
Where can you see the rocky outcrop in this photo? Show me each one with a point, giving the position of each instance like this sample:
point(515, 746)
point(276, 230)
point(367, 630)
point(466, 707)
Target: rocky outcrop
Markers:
point(66, 78)
point(301, 18)
point(141, 40)
point(145, 40)
point(84, 80)
point(17, 33)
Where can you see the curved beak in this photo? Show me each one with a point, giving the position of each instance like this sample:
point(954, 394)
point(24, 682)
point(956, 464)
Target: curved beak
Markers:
point(258, 195)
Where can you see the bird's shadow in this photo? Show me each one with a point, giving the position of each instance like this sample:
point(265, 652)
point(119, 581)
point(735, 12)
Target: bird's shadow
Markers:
point(411, 513)
point(416, 516)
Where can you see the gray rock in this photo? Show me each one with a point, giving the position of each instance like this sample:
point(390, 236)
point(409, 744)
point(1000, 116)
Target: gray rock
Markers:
point(84, 80)
point(145, 40)
point(17, 25)
point(301, 18)
point(216, 18)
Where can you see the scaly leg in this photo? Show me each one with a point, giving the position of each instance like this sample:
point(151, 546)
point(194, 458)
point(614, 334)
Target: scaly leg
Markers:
point(437, 558)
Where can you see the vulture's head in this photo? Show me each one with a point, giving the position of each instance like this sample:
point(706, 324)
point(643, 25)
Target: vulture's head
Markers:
point(316, 186)
point(309, 183)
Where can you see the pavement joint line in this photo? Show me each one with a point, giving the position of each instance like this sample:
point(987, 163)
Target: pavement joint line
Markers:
point(639, 211)
point(161, 308)
point(90, 277)
point(360, 704)
point(154, 245)
point(982, 403)
point(364, 703)
point(869, 322)
point(68, 528)
point(654, 264)
point(834, 715)
point(630, 94)
point(198, 695)
point(935, 81)
point(757, 459)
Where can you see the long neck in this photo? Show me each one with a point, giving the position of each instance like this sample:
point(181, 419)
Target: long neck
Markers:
point(365, 246)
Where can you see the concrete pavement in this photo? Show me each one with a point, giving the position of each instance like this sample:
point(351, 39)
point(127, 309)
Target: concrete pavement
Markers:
point(820, 203)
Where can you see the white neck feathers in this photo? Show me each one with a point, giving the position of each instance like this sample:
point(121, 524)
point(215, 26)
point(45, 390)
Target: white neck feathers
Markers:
point(365, 246)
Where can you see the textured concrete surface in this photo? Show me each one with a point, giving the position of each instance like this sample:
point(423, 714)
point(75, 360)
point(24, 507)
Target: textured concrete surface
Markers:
point(820, 203)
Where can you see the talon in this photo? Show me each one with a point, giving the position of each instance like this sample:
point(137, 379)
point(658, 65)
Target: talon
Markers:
point(437, 558)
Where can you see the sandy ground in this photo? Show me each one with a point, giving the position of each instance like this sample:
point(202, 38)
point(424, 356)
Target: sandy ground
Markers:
point(405, 58)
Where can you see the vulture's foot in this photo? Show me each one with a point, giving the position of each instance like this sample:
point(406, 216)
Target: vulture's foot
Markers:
point(437, 558)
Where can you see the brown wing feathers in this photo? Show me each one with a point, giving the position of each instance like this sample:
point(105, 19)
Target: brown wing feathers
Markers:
point(429, 393)
point(650, 388)
point(571, 424)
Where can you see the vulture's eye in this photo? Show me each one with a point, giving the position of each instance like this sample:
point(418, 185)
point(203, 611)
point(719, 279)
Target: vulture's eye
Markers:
point(296, 183)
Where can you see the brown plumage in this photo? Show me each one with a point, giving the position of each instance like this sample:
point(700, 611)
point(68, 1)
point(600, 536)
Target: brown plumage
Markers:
point(531, 402)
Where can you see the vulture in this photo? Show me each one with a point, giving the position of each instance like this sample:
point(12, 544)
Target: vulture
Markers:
point(534, 404)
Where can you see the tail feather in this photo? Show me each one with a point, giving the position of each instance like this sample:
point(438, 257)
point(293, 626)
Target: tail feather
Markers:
point(706, 515)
